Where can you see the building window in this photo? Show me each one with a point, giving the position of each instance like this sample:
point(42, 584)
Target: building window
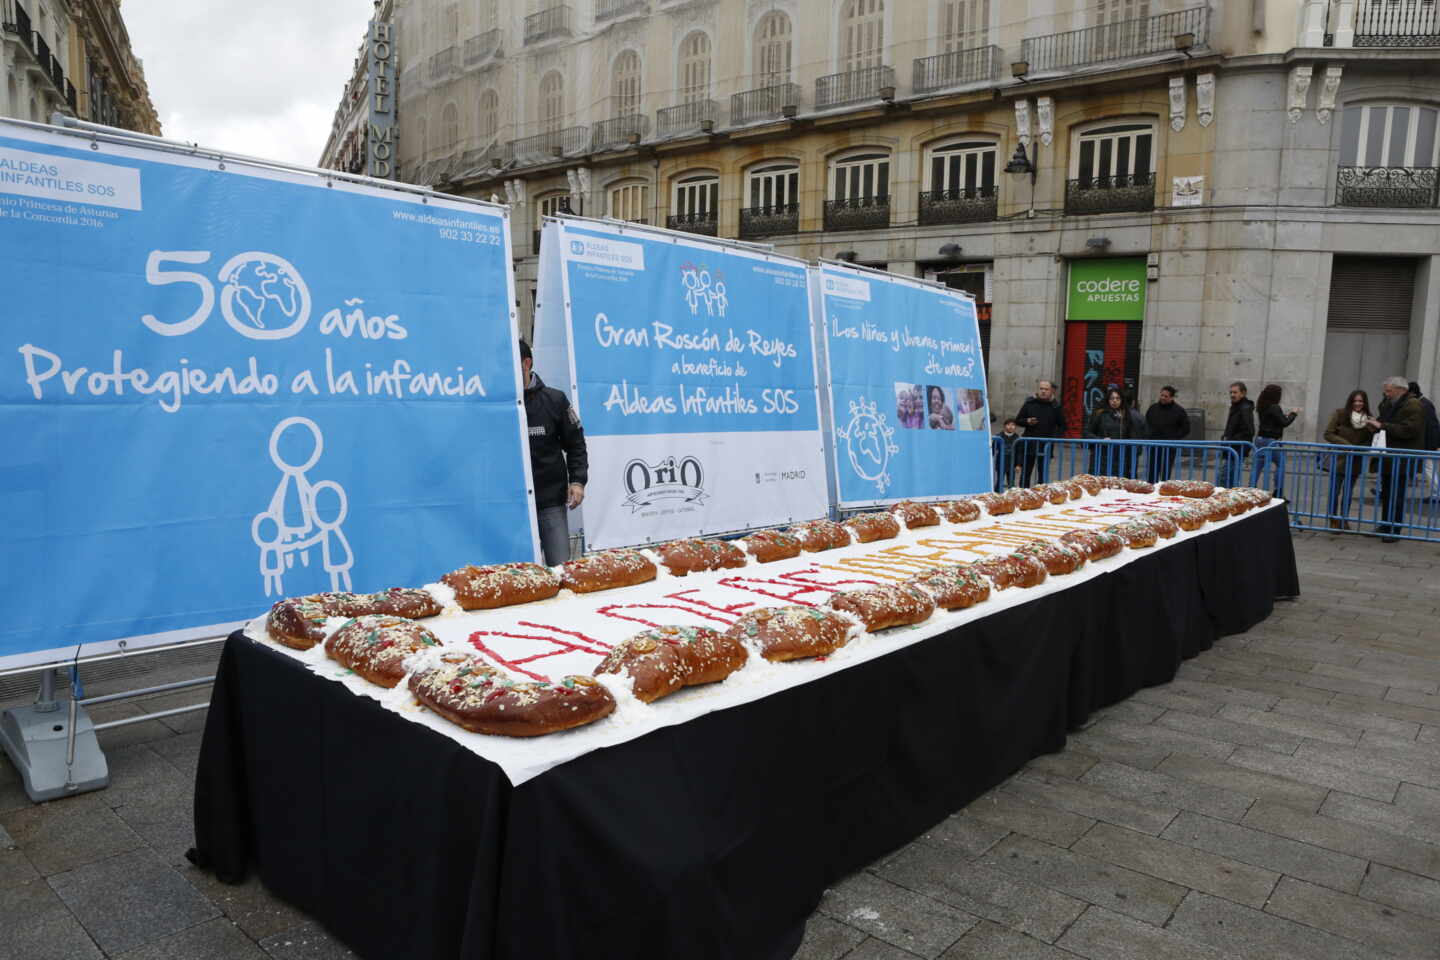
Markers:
point(553, 204)
point(1118, 11)
point(1112, 169)
point(862, 34)
point(1121, 153)
point(959, 182)
point(864, 176)
point(697, 196)
point(964, 24)
point(772, 49)
point(630, 201)
point(774, 185)
point(489, 115)
point(695, 67)
point(552, 101)
point(1389, 156)
point(449, 127)
point(625, 84)
point(859, 192)
point(489, 17)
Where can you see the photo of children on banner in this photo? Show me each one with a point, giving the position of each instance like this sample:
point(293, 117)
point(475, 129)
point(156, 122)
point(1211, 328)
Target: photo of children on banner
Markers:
point(970, 410)
point(941, 417)
point(910, 405)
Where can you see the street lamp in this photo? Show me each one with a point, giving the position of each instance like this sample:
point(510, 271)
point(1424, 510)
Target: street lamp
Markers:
point(1020, 163)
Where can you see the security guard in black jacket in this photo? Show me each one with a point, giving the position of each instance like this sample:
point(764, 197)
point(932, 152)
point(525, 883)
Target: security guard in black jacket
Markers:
point(558, 463)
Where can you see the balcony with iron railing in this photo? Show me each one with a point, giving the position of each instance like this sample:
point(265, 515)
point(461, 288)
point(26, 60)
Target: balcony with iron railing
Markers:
point(618, 133)
point(18, 23)
point(610, 9)
point(765, 103)
point(854, 86)
point(768, 221)
point(442, 65)
point(1397, 23)
point(41, 49)
point(704, 223)
point(481, 47)
point(858, 213)
point(550, 145)
point(973, 205)
point(547, 24)
point(1387, 187)
point(1124, 40)
point(697, 116)
point(957, 68)
point(1122, 193)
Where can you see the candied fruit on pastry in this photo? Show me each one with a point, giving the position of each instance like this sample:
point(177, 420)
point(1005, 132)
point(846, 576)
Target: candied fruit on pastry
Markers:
point(606, 570)
point(818, 535)
point(915, 514)
point(683, 557)
point(767, 546)
point(666, 659)
point(886, 605)
point(954, 587)
point(959, 511)
point(474, 695)
point(501, 585)
point(375, 646)
point(873, 526)
point(791, 633)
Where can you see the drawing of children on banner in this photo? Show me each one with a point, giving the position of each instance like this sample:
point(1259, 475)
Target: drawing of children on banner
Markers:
point(291, 524)
point(701, 288)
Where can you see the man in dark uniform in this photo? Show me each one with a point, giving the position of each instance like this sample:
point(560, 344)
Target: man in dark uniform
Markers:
point(1041, 418)
point(1240, 428)
point(558, 464)
point(1165, 420)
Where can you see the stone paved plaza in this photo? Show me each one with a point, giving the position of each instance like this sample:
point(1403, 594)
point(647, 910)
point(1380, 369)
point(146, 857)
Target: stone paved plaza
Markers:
point(1279, 799)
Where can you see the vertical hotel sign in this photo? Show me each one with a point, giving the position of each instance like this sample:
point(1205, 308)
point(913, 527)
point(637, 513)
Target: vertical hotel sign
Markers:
point(380, 124)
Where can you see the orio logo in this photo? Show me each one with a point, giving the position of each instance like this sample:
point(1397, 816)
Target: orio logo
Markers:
point(670, 479)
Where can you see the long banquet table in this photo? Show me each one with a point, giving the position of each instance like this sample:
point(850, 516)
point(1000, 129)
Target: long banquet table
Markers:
point(710, 838)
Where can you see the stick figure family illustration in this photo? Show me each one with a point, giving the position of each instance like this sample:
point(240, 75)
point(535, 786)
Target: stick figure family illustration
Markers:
point(700, 290)
point(302, 513)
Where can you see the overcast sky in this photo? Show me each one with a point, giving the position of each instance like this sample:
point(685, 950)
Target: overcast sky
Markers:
point(260, 77)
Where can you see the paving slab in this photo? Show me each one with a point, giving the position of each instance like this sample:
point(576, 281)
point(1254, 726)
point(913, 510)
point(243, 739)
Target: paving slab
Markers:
point(1143, 756)
point(1412, 762)
point(1088, 801)
point(873, 949)
point(1357, 714)
point(889, 912)
point(1297, 726)
point(1179, 863)
point(1104, 935)
point(1250, 783)
point(1398, 933)
point(1267, 851)
point(1419, 800)
point(1067, 763)
point(1250, 933)
point(1307, 769)
point(1229, 731)
point(1175, 741)
point(63, 834)
point(1096, 881)
point(308, 941)
point(966, 836)
point(130, 900)
point(1002, 809)
point(1365, 842)
point(1406, 891)
point(1034, 909)
point(1165, 792)
point(34, 925)
point(827, 939)
point(1421, 826)
point(990, 941)
point(216, 939)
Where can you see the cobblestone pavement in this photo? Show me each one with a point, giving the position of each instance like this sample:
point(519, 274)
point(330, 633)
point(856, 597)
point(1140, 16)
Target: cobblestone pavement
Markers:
point(1279, 799)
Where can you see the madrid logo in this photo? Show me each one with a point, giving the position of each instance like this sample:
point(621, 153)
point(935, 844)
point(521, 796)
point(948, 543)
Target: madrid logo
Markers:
point(681, 481)
point(867, 442)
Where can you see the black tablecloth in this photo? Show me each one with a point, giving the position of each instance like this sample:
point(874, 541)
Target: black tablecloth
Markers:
point(711, 839)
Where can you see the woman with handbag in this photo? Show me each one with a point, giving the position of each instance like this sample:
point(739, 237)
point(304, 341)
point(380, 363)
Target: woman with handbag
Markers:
point(1348, 426)
point(1271, 422)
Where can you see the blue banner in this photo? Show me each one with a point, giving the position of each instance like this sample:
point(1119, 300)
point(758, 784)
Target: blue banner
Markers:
point(693, 369)
point(226, 385)
point(907, 388)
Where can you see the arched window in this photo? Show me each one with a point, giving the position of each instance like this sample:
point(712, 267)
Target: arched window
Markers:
point(862, 34)
point(695, 67)
point(773, 186)
point(629, 201)
point(552, 101)
point(964, 24)
point(489, 126)
point(696, 196)
point(962, 168)
point(772, 49)
point(625, 85)
point(860, 176)
point(553, 204)
point(1115, 155)
point(449, 127)
point(1389, 135)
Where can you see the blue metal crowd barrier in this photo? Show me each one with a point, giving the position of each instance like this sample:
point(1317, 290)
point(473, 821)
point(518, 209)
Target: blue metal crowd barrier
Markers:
point(1040, 459)
point(1329, 486)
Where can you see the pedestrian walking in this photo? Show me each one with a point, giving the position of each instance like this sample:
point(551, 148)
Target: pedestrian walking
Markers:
point(559, 464)
point(1349, 426)
point(1041, 418)
point(1239, 430)
point(1403, 419)
point(1270, 430)
point(1165, 420)
point(1110, 422)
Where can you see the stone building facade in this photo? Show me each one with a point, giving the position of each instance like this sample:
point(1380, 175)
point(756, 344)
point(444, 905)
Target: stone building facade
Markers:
point(72, 56)
point(1199, 192)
